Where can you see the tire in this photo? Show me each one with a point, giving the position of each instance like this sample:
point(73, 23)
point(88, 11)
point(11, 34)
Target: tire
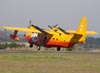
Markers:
point(58, 48)
point(31, 45)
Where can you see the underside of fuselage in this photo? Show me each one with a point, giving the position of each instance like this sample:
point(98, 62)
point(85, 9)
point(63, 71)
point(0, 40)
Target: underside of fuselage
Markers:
point(47, 41)
point(59, 44)
point(53, 44)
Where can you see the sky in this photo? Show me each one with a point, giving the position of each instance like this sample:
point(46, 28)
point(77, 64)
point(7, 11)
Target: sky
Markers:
point(66, 13)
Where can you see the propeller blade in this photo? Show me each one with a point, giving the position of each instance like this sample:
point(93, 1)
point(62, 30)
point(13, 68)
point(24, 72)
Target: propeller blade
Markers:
point(30, 22)
point(50, 26)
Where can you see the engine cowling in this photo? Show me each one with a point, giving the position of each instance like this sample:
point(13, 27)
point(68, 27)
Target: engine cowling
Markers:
point(32, 37)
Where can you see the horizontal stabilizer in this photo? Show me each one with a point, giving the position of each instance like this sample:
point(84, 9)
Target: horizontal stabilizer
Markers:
point(87, 32)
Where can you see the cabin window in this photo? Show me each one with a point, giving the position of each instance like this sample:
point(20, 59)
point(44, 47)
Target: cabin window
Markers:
point(56, 39)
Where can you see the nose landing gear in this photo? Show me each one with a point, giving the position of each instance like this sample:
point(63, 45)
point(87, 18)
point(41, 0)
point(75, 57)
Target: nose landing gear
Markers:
point(31, 45)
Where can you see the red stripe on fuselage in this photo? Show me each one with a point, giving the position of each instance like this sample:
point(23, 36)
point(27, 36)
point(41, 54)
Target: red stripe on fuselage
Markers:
point(50, 43)
point(59, 44)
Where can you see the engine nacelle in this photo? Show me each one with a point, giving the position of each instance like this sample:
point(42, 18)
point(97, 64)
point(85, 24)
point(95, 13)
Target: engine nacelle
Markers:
point(32, 37)
point(14, 37)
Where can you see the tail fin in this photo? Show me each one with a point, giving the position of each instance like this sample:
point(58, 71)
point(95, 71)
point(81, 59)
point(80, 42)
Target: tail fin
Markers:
point(82, 26)
point(82, 29)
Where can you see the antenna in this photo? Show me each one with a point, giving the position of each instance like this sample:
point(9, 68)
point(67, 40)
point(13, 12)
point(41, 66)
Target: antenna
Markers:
point(50, 26)
point(55, 25)
point(30, 22)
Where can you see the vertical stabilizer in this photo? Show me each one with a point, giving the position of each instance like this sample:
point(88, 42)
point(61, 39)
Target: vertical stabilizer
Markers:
point(82, 29)
point(82, 26)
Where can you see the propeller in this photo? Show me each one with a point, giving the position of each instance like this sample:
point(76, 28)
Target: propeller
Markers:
point(51, 27)
point(38, 28)
point(30, 23)
point(56, 26)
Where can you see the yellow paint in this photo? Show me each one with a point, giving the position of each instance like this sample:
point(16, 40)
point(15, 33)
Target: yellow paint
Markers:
point(55, 35)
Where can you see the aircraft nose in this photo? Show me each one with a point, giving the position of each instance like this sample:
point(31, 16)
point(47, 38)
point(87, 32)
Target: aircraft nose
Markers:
point(28, 36)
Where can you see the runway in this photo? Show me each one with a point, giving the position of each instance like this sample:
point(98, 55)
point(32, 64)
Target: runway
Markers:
point(32, 51)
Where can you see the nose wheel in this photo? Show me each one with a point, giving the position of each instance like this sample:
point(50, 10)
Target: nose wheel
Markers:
point(31, 45)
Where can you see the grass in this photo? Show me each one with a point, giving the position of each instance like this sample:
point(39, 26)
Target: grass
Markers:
point(49, 63)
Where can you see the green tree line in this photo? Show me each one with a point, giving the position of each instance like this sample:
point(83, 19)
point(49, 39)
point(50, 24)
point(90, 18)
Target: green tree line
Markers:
point(92, 42)
point(11, 45)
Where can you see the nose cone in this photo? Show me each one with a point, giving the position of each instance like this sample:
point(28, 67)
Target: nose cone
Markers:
point(28, 36)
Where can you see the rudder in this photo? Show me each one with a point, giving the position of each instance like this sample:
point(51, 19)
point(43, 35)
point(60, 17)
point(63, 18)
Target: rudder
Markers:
point(81, 30)
point(82, 26)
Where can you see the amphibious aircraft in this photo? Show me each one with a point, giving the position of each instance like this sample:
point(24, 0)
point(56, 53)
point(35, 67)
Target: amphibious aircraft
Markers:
point(53, 37)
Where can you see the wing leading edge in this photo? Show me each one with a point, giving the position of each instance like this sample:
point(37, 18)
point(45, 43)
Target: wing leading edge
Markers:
point(22, 29)
point(87, 32)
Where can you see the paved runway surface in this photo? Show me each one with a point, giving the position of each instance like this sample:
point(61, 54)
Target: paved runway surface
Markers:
point(31, 51)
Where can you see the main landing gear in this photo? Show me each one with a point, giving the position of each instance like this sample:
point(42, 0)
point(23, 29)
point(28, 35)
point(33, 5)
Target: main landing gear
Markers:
point(38, 48)
point(31, 45)
point(58, 48)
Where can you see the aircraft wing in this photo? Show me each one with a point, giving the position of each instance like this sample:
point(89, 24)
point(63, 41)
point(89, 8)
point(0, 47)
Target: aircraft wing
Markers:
point(71, 31)
point(87, 32)
point(21, 29)
point(91, 32)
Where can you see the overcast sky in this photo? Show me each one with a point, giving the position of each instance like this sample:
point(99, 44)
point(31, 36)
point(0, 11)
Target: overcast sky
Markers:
point(66, 13)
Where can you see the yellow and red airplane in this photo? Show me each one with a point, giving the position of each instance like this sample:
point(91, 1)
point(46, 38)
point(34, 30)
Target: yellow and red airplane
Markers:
point(54, 37)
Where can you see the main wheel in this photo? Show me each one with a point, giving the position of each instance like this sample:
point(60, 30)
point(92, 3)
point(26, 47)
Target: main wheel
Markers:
point(58, 48)
point(31, 45)
point(38, 47)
